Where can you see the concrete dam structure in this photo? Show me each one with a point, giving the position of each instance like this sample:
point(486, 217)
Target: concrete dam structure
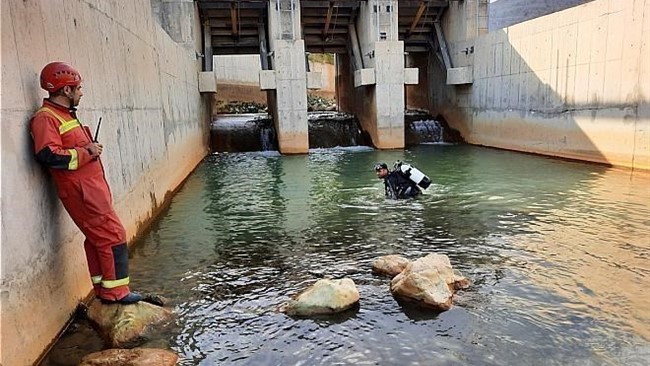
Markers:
point(571, 84)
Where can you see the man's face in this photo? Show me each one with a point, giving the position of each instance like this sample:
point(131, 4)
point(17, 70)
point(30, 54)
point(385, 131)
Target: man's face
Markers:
point(74, 93)
point(381, 173)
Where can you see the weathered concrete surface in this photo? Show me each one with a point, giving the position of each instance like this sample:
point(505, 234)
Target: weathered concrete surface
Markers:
point(328, 77)
point(238, 69)
point(504, 13)
point(244, 70)
point(572, 84)
point(154, 132)
point(289, 107)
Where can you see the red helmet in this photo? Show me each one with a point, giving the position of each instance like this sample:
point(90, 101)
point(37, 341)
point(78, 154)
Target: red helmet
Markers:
point(56, 75)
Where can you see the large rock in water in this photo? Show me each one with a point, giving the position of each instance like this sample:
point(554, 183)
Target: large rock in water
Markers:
point(123, 325)
point(390, 265)
point(324, 297)
point(131, 357)
point(428, 281)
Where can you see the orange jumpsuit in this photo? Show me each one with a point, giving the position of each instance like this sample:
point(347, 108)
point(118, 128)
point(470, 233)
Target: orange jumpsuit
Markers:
point(59, 143)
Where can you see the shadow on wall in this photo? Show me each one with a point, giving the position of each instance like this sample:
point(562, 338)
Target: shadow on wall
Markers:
point(560, 92)
point(504, 13)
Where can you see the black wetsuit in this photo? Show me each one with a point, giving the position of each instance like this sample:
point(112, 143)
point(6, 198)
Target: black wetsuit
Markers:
point(399, 187)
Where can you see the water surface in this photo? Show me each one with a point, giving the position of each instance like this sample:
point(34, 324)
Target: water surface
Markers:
point(557, 253)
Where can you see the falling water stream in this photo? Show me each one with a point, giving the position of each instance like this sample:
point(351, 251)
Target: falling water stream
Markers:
point(557, 252)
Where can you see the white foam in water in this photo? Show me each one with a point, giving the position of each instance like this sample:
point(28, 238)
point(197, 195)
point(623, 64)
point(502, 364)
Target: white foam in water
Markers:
point(428, 130)
point(358, 148)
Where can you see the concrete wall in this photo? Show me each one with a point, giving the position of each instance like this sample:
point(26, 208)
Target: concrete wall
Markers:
point(504, 13)
point(154, 131)
point(328, 76)
point(238, 69)
point(465, 20)
point(572, 84)
point(244, 70)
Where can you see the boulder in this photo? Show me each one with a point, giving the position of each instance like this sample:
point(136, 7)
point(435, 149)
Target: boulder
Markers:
point(428, 281)
point(123, 325)
point(130, 357)
point(390, 265)
point(326, 296)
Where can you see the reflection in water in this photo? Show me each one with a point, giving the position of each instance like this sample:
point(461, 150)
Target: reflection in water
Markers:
point(557, 252)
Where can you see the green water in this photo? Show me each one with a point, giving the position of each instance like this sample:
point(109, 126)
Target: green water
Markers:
point(557, 253)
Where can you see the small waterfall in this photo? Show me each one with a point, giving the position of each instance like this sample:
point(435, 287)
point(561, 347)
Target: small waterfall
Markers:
point(243, 132)
point(421, 128)
point(332, 129)
point(428, 131)
point(268, 138)
point(256, 132)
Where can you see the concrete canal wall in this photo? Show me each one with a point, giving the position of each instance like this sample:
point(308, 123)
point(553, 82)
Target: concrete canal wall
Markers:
point(572, 84)
point(238, 78)
point(142, 79)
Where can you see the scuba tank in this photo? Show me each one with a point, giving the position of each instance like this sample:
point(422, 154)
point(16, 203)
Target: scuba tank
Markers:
point(413, 173)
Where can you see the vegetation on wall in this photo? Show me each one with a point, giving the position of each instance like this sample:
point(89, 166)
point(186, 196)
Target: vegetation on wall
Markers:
point(314, 103)
point(324, 58)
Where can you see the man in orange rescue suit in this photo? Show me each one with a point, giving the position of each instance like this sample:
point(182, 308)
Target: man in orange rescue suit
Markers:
point(66, 147)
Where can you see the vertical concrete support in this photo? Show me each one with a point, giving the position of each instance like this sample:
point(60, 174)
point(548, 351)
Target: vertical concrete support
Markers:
point(389, 94)
point(288, 101)
point(382, 112)
point(354, 43)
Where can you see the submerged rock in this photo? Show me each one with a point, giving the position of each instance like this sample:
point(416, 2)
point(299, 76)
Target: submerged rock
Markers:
point(428, 281)
point(130, 357)
point(122, 325)
point(324, 297)
point(460, 282)
point(390, 265)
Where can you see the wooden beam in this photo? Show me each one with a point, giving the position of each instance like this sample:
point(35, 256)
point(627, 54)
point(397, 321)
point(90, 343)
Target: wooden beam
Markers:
point(324, 4)
point(411, 3)
point(328, 18)
point(418, 15)
point(221, 4)
point(233, 18)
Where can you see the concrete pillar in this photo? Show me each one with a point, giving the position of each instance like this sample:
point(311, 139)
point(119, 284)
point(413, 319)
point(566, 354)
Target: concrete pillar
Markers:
point(382, 79)
point(288, 100)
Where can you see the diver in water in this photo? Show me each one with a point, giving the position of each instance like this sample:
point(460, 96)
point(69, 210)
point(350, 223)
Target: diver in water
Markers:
point(398, 183)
